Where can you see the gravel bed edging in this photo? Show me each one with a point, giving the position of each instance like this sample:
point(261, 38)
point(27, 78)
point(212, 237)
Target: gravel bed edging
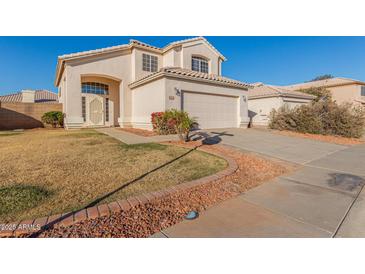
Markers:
point(70, 218)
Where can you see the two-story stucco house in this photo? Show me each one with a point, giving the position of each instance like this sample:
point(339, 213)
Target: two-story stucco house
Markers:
point(123, 85)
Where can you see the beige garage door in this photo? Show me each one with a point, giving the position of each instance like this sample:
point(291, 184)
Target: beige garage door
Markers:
point(212, 111)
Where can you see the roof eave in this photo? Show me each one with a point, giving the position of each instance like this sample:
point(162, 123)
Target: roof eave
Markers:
point(280, 95)
point(58, 71)
point(328, 86)
point(178, 76)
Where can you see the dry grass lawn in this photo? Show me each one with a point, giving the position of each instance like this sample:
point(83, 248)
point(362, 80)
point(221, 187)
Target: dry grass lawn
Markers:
point(49, 171)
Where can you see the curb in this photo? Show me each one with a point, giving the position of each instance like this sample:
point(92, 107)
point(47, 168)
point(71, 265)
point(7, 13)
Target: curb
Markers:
point(69, 218)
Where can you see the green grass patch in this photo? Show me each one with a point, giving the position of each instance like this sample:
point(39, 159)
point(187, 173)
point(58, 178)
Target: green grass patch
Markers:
point(145, 147)
point(84, 133)
point(3, 134)
point(18, 198)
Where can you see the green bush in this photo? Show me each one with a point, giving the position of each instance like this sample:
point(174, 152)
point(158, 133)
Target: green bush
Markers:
point(323, 117)
point(173, 122)
point(53, 118)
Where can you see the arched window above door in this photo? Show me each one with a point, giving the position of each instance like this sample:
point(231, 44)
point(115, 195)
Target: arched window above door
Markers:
point(95, 88)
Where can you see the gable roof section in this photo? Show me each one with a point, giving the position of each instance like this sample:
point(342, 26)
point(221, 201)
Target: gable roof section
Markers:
point(338, 81)
point(187, 74)
point(261, 90)
point(200, 38)
point(40, 96)
point(132, 43)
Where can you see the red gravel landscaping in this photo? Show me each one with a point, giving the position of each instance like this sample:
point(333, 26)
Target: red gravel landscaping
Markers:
point(143, 220)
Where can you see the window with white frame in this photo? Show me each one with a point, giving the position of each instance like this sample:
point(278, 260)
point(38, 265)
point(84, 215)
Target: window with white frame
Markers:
point(199, 64)
point(95, 88)
point(149, 63)
point(362, 90)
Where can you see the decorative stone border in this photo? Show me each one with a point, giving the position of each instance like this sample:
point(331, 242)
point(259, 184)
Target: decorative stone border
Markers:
point(70, 218)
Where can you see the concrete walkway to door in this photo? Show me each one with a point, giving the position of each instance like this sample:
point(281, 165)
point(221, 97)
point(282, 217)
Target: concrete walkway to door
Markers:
point(132, 139)
point(321, 199)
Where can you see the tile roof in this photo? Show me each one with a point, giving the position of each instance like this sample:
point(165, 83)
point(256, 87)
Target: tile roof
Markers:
point(133, 42)
point(189, 74)
point(40, 96)
point(92, 52)
point(324, 83)
point(261, 90)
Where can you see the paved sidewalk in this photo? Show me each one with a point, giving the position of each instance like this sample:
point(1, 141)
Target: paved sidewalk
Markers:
point(321, 199)
point(130, 138)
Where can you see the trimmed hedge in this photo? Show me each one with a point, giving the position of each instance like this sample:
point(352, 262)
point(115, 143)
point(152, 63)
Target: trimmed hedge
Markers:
point(323, 117)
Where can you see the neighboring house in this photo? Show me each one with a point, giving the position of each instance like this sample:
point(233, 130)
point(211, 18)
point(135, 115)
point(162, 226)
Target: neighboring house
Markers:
point(31, 96)
point(342, 89)
point(123, 85)
point(262, 99)
point(25, 109)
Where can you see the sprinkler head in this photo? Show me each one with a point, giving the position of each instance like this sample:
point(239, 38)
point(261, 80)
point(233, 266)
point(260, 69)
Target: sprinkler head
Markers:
point(192, 215)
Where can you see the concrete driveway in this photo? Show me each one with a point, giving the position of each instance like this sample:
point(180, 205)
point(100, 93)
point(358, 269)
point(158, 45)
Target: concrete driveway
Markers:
point(323, 198)
point(296, 150)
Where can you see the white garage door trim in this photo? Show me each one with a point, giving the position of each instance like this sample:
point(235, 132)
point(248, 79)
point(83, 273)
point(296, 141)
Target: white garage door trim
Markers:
point(212, 110)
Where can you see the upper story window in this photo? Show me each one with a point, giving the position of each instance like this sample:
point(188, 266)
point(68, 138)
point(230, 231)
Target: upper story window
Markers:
point(199, 64)
point(149, 62)
point(362, 90)
point(95, 88)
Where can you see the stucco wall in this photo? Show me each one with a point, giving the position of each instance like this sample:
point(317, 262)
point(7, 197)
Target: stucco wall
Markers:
point(147, 99)
point(172, 57)
point(348, 93)
point(294, 102)
point(24, 115)
point(116, 67)
point(200, 49)
point(260, 108)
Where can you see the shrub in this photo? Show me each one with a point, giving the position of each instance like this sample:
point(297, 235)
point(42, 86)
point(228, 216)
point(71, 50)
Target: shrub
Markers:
point(162, 123)
point(324, 117)
point(321, 93)
point(54, 118)
point(173, 121)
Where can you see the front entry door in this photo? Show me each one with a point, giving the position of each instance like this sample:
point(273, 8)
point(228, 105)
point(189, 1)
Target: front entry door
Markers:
point(96, 110)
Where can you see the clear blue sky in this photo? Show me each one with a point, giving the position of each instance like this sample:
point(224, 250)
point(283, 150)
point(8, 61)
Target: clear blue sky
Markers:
point(29, 62)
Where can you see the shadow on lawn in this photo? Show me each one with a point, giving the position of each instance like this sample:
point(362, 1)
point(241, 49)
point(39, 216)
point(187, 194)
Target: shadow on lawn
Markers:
point(207, 140)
